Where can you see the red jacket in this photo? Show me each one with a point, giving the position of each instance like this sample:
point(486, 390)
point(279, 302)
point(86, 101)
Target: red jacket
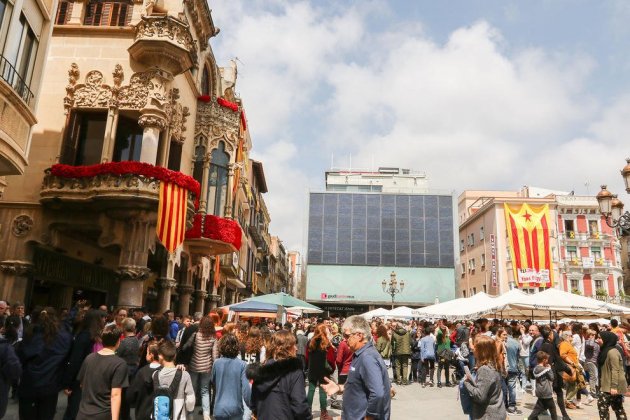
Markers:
point(344, 357)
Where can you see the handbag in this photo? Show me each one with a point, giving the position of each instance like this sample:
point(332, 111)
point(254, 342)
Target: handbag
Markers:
point(570, 378)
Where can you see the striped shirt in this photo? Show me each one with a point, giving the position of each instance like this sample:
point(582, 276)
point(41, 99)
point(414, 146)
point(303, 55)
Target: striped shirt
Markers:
point(205, 352)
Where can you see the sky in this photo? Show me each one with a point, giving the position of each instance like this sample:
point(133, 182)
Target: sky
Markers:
point(478, 94)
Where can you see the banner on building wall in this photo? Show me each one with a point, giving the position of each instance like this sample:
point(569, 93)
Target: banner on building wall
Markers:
point(171, 222)
point(528, 239)
point(493, 260)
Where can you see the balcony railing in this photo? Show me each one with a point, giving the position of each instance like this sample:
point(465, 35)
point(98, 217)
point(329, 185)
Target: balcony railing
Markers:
point(10, 75)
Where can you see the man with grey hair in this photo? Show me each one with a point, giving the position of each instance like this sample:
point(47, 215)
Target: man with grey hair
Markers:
point(366, 393)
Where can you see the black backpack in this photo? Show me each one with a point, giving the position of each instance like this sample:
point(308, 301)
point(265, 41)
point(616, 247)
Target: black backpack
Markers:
point(164, 397)
point(462, 335)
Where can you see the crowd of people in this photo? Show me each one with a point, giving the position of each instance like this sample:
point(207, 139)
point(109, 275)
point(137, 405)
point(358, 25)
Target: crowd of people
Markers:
point(129, 364)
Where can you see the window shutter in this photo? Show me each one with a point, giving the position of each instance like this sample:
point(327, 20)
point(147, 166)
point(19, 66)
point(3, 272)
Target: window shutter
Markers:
point(71, 137)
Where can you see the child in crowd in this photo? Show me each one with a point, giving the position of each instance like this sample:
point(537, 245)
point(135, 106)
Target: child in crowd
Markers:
point(184, 399)
point(544, 391)
point(141, 390)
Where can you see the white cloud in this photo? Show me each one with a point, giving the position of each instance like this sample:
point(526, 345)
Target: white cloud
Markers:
point(471, 112)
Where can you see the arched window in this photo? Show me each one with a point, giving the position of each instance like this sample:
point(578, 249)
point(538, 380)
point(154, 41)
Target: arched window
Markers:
point(200, 155)
point(218, 179)
point(205, 81)
point(108, 13)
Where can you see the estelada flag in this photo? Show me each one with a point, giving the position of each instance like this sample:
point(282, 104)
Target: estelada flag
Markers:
point(171, 222)
point(528, 238)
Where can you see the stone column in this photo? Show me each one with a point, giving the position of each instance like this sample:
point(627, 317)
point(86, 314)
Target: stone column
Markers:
point(15, 276)
point(228, 194)
point(200, 300)
point(131, 289)
point(152, 124)
point(184, 290)
point(165, 287)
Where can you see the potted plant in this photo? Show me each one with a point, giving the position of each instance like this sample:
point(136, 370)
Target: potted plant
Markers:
point(576, 291)
point(601, 292)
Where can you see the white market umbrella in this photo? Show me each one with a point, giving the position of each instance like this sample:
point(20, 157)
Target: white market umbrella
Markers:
point(304, 310)
point(376, 313)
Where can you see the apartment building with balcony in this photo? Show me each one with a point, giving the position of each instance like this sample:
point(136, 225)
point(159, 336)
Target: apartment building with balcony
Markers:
point(582, 247)
point(133, 97)
point(25, 32)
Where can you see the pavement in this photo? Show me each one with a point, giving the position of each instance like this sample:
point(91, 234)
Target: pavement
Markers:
point(411, 402)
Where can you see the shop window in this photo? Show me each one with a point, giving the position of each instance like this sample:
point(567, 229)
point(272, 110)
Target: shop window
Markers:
point(218, 180)
point(128, 140)
point(108, 13)
point(175, 156)
point(83, 142)
point(64, 11)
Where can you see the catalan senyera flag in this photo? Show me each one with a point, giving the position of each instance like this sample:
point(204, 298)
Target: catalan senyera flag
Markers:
point(528, 237)
point(171, 222)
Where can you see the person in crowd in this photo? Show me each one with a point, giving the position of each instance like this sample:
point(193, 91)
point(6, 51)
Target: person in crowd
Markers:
point(10, 371)
point(86, 337)
point(486, 389)
point(140, 392)
point(443, 354)
point(613, 383)
point(427, 356)
point(103, 376)
point(43, 353)
point(524, 341)
point(591, 353)
point(558, 365)
point(119, 315)
point(278, 385)
point(252, 351)
point(138, 316)
point(543, 373)
point(173, 326)
point(184, 399)
point(401, 349)
point(158, 331)
point(534, 348)
point(186, 321)
point(302, 344)
point(366, 393)
point(335, 335)
point(569, 355)
point(512, 352)
point(129, 348)
point(416, 363)
point(344, 360)
point(231, 384)
point(320, 359)
point(18, 309)
point(383, 344)
point(198, 352)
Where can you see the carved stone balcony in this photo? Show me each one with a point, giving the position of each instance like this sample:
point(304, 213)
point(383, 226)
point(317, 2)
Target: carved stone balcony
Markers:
point(229, 264)
point(116, 185)
point(164, 42)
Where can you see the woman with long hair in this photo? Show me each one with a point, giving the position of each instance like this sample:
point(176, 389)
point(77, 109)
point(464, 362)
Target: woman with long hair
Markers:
point(252, 347)
point(43, 353)
point(320, 358)
point(278, 385)
point(383, 344)
point(87, 335)
point(485, 390)
point(443, 346)
point(198, 351)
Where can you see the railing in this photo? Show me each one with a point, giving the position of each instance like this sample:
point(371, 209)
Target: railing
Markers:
point(10, 75)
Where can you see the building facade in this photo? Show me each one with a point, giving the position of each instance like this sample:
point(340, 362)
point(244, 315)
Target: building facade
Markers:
point(133, 100)
point(356, 238)
point(584, 251)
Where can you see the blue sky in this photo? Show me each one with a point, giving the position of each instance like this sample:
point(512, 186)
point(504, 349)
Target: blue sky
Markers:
point(478, 94)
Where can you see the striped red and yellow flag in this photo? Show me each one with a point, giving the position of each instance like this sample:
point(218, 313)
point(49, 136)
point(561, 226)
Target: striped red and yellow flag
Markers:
point(171, 223)
point(528, 238)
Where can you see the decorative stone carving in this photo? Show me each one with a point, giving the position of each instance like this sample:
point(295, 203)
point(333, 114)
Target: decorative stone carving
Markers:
point(201, 294)
point(185, 289)
point(134, 95)
point(133, 272)
point(196, 19)
point(22, 225)
point(165, 283)
point(150, 120)
point(73, 76)
point(165, 27)
point(217, 124)
point(93, 93)
point(178, 115)
point(16, 268)
point(118, 76)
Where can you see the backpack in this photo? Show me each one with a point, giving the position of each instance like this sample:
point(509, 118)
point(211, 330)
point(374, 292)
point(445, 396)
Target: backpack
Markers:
point(464, 351)
point(164, 397)
point(461, 336)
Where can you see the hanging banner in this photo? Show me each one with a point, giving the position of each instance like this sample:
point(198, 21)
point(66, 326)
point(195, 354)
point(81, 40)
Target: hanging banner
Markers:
point(171, 222)
point(493, 260)
point(528, 239)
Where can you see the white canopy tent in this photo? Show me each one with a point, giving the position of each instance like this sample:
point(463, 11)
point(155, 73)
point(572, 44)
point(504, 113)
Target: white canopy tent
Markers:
point(458, 308)
point(376, 313)
point(401, 312)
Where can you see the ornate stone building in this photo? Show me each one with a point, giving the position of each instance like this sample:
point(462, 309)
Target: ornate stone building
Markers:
point(132, 97)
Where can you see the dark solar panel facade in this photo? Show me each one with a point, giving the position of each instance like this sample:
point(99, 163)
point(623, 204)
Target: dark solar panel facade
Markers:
point(400, 230)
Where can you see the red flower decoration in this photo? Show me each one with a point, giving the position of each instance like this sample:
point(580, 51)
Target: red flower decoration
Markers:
point(204, 98)
point(128, 168)
point(221, 229)
point(227, 104)
point(195, 231)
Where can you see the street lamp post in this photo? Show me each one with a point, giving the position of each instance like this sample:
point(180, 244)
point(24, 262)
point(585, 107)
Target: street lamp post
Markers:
point(392, 287)
point(612, 208)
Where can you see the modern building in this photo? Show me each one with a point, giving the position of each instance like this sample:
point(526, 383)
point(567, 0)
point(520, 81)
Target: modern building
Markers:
point(132, 99)
point(370, 223)
point(583, 252)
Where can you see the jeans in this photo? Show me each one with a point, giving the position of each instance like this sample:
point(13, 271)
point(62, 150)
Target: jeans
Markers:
point(38, 408)
point(523, 367)
point(511, 383)
point(443, 364)
point(593, 380)
point(311, 395)
point(201, 382)
point(428, 367)
point(416, 367)
point(401, 367)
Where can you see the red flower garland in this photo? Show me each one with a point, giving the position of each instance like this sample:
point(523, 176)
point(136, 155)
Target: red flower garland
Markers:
point(227, 104)
point(128, 168)
point(195, 231)
point(204, 98)
point(221, 229)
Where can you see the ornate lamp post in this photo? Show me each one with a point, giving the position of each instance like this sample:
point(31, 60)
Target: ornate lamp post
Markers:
point(612, 208)
point(392, 287)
